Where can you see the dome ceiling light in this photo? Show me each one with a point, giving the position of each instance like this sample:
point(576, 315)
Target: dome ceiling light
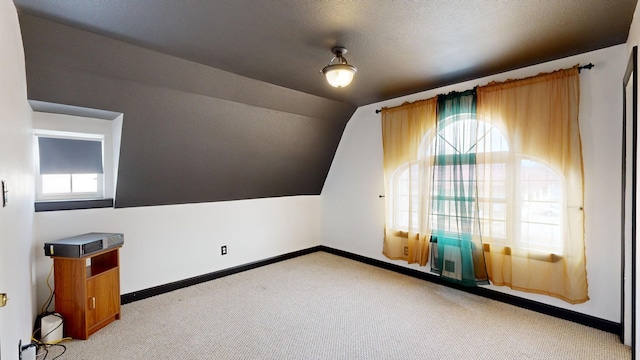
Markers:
point(340, 73)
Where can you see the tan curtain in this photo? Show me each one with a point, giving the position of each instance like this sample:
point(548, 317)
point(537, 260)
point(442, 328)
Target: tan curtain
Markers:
point(405, 130)
point(539, 116)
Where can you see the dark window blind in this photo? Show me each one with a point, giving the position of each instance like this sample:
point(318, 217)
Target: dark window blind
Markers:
point(70, 156)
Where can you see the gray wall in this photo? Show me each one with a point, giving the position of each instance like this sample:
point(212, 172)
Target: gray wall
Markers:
point(191, 133)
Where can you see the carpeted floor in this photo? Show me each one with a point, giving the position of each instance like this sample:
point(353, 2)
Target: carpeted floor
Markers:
point(322, 306)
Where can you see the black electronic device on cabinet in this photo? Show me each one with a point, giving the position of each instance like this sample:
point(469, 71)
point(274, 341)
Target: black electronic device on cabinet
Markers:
point(83, 245)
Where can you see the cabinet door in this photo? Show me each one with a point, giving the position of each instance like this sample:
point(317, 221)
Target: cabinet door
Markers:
point(103, 297)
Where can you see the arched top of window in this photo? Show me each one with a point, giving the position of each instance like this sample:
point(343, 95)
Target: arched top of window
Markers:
point(520, 199)
point(477, 137)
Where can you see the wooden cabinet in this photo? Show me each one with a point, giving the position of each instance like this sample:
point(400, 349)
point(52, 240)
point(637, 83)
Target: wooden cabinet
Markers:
point(87, 291)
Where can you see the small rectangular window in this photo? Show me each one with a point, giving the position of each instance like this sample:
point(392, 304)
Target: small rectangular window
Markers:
point(69, 168)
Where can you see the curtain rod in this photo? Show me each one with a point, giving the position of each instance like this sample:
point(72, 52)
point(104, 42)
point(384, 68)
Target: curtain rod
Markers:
point(589, 66)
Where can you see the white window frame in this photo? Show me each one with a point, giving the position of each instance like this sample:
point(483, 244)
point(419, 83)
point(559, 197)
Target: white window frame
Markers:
point(40, 195)
point(50, 118)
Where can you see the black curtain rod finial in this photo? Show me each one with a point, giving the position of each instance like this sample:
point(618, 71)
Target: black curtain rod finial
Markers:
point(378, 111)
point(589, 66)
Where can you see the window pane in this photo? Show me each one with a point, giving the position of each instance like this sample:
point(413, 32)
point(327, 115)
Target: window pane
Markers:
point(493, 230)
point(540, 212)
point(84, 183)
point(492, 189)
point(541, 236)
point(403, 186)
point(492, 172)
point(402, 220)
point(541, 207)
point(490, 210)
point(414, 220)
point(56, 183)
point(403, 203)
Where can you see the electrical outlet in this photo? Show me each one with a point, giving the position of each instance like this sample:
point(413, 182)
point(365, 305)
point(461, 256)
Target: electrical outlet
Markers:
point(223, 249)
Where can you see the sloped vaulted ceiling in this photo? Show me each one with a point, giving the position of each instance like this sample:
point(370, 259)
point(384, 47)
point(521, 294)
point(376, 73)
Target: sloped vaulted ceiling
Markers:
point(399, 47)
point(191, 133)
point(223, 99)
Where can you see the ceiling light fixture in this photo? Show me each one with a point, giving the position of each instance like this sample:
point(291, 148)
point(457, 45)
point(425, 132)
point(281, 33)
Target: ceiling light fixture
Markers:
point(341, 73)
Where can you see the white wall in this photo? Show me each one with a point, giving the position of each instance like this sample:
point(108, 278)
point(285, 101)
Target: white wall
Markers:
point(175, 242)
point(16, 251)
point(353, 214)
point(634, 40)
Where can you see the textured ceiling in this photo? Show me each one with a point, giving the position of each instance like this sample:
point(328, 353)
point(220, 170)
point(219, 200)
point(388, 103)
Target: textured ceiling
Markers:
point(399, 47)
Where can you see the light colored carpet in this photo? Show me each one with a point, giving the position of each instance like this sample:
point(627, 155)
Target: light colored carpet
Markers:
point(322, 306)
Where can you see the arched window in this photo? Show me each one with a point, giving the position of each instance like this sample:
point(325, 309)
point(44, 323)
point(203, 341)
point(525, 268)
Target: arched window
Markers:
point(520, 199)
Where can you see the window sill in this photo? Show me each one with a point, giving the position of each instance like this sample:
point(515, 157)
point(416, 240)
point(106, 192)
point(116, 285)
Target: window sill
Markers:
point(504, 250)
point(529, 254)
point(59, 205)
